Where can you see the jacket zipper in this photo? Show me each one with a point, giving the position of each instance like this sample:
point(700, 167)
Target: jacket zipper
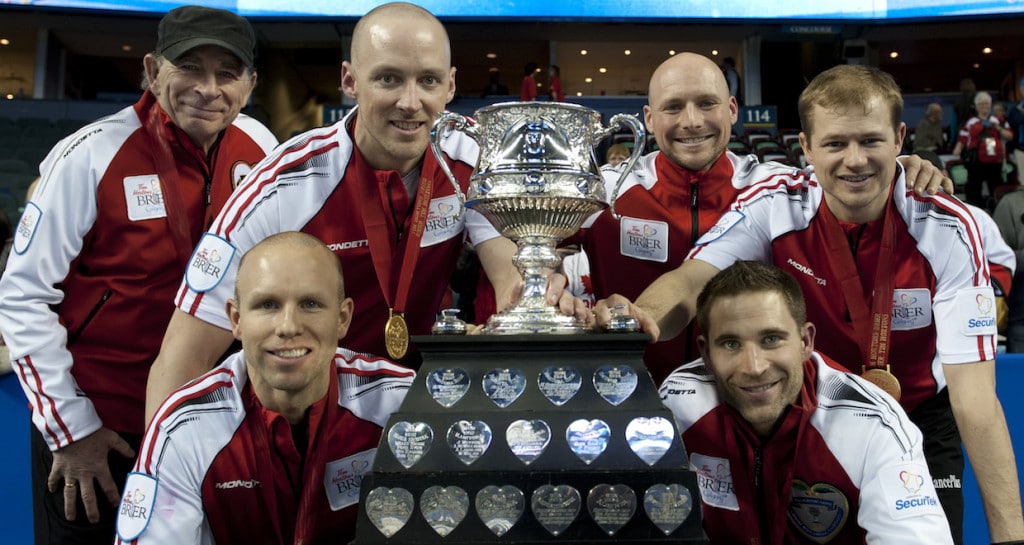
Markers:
point(759, 488)
point(89, 317)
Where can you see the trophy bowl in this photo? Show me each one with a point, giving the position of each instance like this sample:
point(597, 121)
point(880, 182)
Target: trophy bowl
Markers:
point(536, 180)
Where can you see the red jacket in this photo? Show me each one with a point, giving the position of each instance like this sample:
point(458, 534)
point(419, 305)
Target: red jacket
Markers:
point(99, 253)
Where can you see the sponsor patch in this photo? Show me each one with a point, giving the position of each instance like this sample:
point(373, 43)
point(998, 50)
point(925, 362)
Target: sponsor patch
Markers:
point(208, 262)
point(442, 223)
point(136, 507)
point(239, 171)
point(343, 477)
point(726, 222)
point(643, 239)
point(144, 197)
point(911, 309)
point(714, 480)
point(818, 511)
point(25, 230)
point(909, 492)
point(976, 311)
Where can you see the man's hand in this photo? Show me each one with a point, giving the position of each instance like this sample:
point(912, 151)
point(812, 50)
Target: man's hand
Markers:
point(567, 304)
point(923, 177)
point(80, 465)
point(604, 309)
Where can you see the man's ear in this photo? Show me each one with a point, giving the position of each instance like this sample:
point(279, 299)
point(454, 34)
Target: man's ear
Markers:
point(233, 316)
point(151, 65)
point(348, 80)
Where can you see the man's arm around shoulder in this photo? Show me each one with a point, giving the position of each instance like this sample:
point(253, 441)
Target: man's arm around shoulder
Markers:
point(190, 348)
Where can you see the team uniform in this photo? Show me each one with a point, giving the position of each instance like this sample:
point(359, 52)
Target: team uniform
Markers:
point(943, 308)
point(844, 466)
point(97, 257)
point(218, 467)
point(319, 183)
point(665, 208)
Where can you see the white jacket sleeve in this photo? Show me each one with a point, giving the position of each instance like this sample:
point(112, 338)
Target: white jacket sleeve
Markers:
point(47, 239)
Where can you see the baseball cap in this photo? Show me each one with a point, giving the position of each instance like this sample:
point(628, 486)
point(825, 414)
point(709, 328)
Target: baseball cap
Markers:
point(188, 27)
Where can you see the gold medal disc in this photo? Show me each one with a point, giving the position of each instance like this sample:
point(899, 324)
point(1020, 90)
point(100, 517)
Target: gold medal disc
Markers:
point(884, 380)
point(396, 336)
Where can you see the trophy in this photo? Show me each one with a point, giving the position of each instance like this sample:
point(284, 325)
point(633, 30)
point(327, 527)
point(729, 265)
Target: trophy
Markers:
point(537, 181)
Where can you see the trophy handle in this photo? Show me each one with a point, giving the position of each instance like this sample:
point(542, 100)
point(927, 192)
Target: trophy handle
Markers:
point(456, 122)
point(632, 123)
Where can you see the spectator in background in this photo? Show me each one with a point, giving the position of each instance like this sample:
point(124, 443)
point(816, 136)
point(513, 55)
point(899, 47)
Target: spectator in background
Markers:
point(963, 109)
point(980, 144)
point(494, 87)
point(1009, 216)
point(1015, 118)
point(928, 134)
point(555, 83)
point(617, 153)
point(102, 247)
point(733, 79)
point(291, 411)
point(528, 90)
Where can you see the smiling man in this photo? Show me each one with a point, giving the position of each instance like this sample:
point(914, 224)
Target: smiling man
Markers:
point(271, 445)
point(787, 448)
point(898, 284)
point(101, 249)
point(365, 186)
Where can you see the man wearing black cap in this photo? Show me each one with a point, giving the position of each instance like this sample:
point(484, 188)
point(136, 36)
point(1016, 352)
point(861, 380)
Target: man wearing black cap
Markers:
point(99, 253)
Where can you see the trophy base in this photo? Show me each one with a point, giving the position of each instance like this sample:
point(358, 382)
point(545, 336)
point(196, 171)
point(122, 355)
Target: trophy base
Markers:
point(548, 321)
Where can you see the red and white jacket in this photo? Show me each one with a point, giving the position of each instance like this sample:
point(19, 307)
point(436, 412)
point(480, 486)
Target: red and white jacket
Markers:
point(217, 467)
point(97, 257)
point(318, 183)
point(943, 304)
point(845, 465)
point(665, 209)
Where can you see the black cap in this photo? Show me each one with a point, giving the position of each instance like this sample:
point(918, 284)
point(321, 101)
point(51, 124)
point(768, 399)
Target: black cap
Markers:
point(188, 27)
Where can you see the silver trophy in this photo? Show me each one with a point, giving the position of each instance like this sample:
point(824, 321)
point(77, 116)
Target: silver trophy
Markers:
point(537, 181)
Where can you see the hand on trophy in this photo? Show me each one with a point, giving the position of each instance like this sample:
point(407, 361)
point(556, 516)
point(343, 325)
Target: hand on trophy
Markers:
point(607, 311)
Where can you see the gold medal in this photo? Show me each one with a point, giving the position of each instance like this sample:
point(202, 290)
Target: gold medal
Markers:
point(884, 380)
point(396, 336)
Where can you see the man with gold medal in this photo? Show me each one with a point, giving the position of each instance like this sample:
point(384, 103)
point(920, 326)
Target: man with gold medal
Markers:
point(897, 284)
point(367, 188)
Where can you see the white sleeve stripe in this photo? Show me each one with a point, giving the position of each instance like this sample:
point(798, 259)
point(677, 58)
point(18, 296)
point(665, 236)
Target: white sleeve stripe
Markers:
point(767, 186)
point(37, 394)
point(257, 181)
point(217, 379)
point(957, 209)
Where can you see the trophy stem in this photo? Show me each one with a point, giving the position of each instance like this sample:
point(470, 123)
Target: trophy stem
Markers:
point(536, 259)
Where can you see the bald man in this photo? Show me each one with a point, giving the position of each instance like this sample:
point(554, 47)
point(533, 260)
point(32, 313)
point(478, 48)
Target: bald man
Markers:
point(675, 194)
point(366, 187)
point(270, 446)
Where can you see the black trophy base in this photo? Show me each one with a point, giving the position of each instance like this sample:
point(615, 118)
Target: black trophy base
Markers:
point(397, 514)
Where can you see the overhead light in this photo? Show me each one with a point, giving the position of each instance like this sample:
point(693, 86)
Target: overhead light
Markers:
point(126, 48)
point(10, 96)
point(976, 65)
point(5, 41)
point(579, 93)
point(987, 50)
point(627, 52)
point(894, 54)
point(602, 70)
point(588, 79)
point(583, 51)
point(671, 51)
point(714, 52)
point(492, 55)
